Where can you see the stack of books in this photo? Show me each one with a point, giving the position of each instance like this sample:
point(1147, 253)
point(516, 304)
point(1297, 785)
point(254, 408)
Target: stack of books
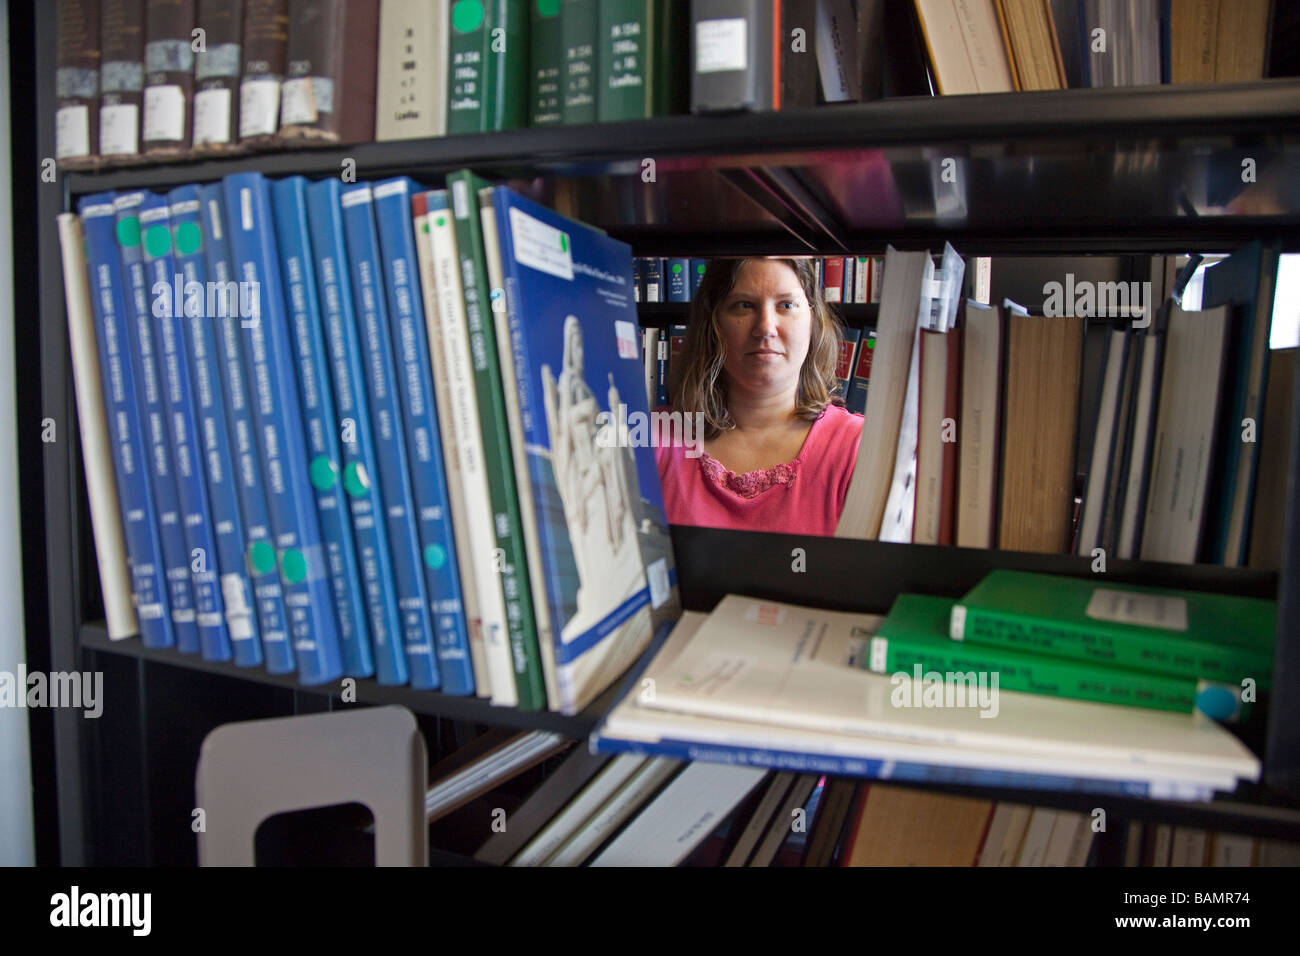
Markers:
point(764, 684)
point(327, 441)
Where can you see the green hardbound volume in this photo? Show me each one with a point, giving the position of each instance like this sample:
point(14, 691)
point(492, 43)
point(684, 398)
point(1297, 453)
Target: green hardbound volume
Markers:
point(1180, 633)
point(505, 74)
point(579, 29)
point(641, 58)
point(467, 73)
point(545, 64)
point(463, 187)
point(916, 634)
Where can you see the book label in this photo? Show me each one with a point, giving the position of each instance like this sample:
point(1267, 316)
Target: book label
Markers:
point(72, 132)
point(259, 106)
point(721, 45)
point(541, 246)
point(299, 102)
point(119, 129)
point(164, 113)
point(211, 116)
point(1143, 610)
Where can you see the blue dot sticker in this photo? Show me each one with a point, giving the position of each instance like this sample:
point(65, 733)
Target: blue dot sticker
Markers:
point(1217, 701)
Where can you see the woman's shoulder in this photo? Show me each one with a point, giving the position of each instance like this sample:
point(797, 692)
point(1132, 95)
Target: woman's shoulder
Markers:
point(840, 423)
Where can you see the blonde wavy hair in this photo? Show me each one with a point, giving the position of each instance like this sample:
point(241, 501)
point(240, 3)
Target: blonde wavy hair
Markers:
point(701, 385)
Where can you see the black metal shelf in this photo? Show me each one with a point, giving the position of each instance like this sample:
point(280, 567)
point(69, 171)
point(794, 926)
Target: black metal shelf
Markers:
point(94, 637)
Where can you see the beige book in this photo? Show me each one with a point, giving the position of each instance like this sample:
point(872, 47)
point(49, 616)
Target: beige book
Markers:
point(977, 452)
point(900, 826)
point(965, 46)
point(411, 86)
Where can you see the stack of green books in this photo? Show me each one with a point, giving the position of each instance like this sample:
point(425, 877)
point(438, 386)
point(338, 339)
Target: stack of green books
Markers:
point(1096, 641)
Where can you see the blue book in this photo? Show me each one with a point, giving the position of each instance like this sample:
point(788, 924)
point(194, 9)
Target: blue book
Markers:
point(233, 306)
point(849, 341)
point(654, 280)
point(153, 418)
point(212, 435)
point(698, 268)
point(371, 310)
point(661, 367)
point(288, 198)
point(300, 553)
point(582, 403)
point(149, 591)
point(638, 279)
point(678, 277)
point(360, 470)
point(393, 217)
point(167, 306)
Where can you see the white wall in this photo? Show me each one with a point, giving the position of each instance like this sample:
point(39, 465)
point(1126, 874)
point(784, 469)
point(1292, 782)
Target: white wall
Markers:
point(16, 839)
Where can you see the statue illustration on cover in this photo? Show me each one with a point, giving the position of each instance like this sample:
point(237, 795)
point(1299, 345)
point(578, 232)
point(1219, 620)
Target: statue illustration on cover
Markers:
point(597, 486)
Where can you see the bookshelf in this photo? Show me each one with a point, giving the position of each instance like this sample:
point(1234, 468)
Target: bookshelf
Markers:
point(1117, 171)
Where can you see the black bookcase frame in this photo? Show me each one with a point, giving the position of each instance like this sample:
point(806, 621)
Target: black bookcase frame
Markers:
point(118, 787)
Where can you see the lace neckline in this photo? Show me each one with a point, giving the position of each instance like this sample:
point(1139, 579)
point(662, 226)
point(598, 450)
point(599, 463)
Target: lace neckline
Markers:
point(751, 484)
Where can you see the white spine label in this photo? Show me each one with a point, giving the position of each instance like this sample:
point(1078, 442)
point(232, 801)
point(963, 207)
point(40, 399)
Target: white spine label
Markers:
point(212, 116)
point(259, 106)
point(72, 132)
point(119, 130)
point(164, 114)
point(721, 45)
point(1142, 610)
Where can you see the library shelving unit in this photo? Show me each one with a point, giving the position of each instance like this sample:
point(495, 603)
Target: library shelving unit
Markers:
point(1117, 171)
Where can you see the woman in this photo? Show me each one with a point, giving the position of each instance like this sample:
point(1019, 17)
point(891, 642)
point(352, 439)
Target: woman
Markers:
point(760, 354)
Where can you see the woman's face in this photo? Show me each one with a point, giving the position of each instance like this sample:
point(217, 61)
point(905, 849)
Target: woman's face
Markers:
point(766, 325)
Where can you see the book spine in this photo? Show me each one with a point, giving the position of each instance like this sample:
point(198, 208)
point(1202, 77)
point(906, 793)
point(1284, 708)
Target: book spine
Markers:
point(505, 73)
point(668, 85)
point(266, 43)
point(236, 308)
point(798, 66)
point(328, 94)
point(411, 85)
point(76, 82)
point(848, 352)
point(216, 77)
point(661, 368)
point(169, 77)
point(386, 417)
point(450, 650)
point(304, 570)
point(1173, 656)
point(623, 61)
point(731, 56)
point(324, 466)
point(97, 452)
point(153, 415)
point(857, 397)
point(467, 68)
point(698, 268)
point(654, 280)
point(545, 64)
point(178, 400)
point(502, 674)
point(579, 33)
point(121, 79)
point(212, 430)
point(679, 280)
point(360, 468)
point(515, 581)
point(833, 279)
point(149, 585)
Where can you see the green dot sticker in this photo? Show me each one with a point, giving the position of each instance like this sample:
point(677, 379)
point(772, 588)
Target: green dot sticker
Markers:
point(548, 8)
point(157, 241)
point(425, 224)
point(189, 238)
point(677, 268)
point(435, 556)
point(441, 221)
point(128, 231)
point(355, 479)
point(564, 242)
point(699, 268)
point(467, 16)
point(293, 566)
point(324, 475)
point(262, 557)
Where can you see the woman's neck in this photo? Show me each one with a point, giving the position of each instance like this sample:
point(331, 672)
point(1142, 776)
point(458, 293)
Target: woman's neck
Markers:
point(757, 413)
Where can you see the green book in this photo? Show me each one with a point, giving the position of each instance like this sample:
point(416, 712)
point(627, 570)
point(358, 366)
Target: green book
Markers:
point(915, 636)
point(639, 57)
point(505, 75)
point(579, 28)
point(545, 64)
point(467, 74)
point(463, 187)
point(1180, 633)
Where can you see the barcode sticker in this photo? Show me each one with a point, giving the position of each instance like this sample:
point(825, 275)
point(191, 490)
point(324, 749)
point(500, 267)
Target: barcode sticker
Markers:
point(298, 102)
point(657, 574)
point(164, 114)
point(259, 106)
point(212, 116)
point(119, 130)
point(769, 614)
point(721, 45)
point(1140, 610)
point(72, 132)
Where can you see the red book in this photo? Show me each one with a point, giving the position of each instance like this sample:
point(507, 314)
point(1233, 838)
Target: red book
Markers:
point(833, 279)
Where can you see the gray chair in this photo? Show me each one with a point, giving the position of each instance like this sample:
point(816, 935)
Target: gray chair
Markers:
point(252, 770)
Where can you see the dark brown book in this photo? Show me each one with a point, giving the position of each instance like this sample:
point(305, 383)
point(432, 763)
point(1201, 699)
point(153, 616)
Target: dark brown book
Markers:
point(168, 77)
point(836, 802)
point(899, 826)
point(328, 95)
point(1268, 531)
point(121, 79)
point(1041, 407)
point(76, 125)
point(216, 77)
point(266, 48)
point(798, 60)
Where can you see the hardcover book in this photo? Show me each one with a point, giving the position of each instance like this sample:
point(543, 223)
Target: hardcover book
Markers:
point(216, 77)
point(76, 121)
point(573, 326)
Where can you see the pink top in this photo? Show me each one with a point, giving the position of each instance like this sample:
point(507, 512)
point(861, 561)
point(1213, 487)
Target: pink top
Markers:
point(804, 496)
